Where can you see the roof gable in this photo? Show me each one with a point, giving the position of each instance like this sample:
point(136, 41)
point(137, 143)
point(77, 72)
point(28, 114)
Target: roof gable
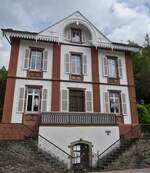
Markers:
point(57, 28)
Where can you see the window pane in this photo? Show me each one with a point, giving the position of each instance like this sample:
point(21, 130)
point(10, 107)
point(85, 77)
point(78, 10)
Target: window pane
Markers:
point(36, 104)
point(114, 103)
point(76, 36)
point(36, 60)
point(76, 64)
point(29, 104)
point(112, 68)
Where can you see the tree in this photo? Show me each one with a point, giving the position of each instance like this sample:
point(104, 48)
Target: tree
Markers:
point(3, 78)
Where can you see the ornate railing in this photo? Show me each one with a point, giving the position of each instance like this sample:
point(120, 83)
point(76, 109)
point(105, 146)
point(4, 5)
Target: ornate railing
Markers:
point(80, 118)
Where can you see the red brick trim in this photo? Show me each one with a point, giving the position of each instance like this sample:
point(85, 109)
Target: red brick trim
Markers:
point(56, 76)
point(131, 89)
point(10, 86)
point(95, 78)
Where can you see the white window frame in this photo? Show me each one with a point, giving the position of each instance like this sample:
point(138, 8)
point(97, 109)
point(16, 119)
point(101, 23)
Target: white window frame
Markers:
point(75, 56)
point(114, 98)
point(76, 149)
point(35, 69)
point(33, 95)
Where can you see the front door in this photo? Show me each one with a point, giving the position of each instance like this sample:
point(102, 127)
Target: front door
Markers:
point(76, 101)
point(81, 157)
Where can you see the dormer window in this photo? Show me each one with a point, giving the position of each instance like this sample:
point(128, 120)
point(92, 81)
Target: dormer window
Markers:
point(76, 35)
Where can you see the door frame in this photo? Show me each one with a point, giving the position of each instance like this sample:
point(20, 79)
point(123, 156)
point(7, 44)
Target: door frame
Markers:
point(81, 141)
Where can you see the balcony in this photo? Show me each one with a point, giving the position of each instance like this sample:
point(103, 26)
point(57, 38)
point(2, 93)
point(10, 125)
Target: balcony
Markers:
point(79, 118)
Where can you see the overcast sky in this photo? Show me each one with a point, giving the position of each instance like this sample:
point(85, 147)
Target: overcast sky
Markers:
point(119, 20)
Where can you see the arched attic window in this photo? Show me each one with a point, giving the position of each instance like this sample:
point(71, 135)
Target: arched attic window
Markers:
point(77, 33)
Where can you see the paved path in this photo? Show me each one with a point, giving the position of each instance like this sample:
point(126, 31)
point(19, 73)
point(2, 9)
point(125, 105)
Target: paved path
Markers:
point(130, 171)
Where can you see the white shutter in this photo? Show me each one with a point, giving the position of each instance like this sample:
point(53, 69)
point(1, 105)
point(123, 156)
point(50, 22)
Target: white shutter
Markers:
point(105, 66)
point(26, 59)
point(64, 100)
point(88, 101)
point(83, 37)
point(45, 60)
point(106, 102)
point(120, 68)
point(84, 64)
point(44, 100)
point(21, 99)
point(68, 35)
point(123, 102)
point(67, 63)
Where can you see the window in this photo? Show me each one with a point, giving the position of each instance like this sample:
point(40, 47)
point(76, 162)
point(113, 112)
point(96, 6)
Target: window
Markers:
point(76, 100)
point(76, 35)
point(36, 60)
point(76, 154)
point(33, 100)
point(115, 105)
point(112, 66)
point(76, 64)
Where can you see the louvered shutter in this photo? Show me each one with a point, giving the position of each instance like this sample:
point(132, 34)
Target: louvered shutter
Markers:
point(26, 59)
point(123, 102)
point(83, 37)
point(67, 63)
point(64, 100)
point(68, 35)
point(120, 68)
point(21, 99)
point(44, 100)
point(88, 101)
point(106, 102)
point(105, 66)
point(85, 65)
point(45, 60)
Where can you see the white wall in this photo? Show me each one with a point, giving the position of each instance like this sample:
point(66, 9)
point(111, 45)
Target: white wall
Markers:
point(105, 88)
point(24, 44)
point(17, 117)
point(121, 55)
point(63, 136)
point(86, 51)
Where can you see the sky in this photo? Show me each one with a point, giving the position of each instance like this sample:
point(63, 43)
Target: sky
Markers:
point(119, 20)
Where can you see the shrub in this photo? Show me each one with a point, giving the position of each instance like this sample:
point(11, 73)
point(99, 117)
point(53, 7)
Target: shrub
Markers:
point(144, 113)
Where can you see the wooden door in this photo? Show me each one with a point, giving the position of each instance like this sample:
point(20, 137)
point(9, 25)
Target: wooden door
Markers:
point(76, 101)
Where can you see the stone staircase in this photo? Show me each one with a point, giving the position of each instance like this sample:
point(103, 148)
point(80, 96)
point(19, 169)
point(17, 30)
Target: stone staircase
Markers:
point(25, 157)
point(127, 153)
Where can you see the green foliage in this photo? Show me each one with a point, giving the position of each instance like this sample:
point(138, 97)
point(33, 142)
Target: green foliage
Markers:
point(141, 66)
point(144, 113)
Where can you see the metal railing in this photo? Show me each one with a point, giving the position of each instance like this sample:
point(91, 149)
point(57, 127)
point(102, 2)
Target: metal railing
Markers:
point(133, 133)
point(56, 153)
point(68, 118)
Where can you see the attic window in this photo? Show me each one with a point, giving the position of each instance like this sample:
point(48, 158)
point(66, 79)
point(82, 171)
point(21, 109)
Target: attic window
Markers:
point(76, 35)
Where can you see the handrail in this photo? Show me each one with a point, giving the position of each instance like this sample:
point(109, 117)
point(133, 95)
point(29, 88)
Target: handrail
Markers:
point(130, 131)
point(48, 141)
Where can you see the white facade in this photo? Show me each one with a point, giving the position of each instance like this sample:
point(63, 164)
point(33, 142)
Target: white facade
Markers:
point(63, 136)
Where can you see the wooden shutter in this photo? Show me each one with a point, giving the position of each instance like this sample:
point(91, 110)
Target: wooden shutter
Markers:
point(44, 100)
point(83, 37)
point(105, 66)
point(26, 59)
point(85, 65)
point(21, 100)
point(106, 102)
point(67, 63)
point(45, 60)
point(123, 102)
point(88, 101)
point(120, 68)
point(64, 100)
point(68, 35)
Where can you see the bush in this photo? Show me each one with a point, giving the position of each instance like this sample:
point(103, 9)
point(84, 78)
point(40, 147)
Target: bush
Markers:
point(144, 113)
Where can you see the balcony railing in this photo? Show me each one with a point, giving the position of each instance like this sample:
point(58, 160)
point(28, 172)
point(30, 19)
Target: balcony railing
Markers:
point(80, 118)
